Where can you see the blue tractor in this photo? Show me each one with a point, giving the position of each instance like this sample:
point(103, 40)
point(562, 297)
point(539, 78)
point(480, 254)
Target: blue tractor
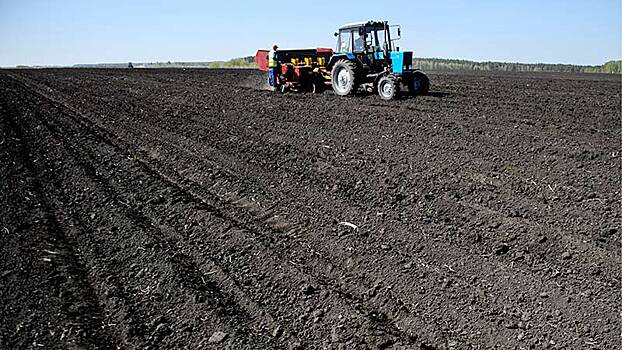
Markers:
point(367, 59)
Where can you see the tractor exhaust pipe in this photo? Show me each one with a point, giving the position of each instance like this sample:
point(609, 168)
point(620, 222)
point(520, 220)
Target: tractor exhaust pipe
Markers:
point(386, 42)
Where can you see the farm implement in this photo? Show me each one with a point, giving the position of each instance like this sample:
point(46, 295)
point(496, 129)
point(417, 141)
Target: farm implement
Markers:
point(366, 58)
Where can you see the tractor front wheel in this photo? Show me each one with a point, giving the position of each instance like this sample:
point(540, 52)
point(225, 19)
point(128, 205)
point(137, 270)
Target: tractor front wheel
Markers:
point(388, 89)
point(344, 78)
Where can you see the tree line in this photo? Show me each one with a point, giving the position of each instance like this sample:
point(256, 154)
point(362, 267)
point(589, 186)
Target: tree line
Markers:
point(464, 65)
point(428, 64)
point(442, 64)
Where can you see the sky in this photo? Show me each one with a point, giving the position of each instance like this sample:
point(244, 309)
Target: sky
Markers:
point(65, 32)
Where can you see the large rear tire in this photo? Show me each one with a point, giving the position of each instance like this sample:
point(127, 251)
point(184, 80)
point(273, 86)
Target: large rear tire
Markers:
point(388, 89)
point(344, 78)
point(419, 84)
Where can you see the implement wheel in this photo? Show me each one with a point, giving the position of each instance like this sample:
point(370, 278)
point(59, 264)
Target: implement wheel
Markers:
point(317, 85)
point(344, 78)
point(388, 89)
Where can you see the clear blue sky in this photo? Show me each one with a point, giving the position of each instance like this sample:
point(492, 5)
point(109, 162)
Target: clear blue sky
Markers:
point(81, 31)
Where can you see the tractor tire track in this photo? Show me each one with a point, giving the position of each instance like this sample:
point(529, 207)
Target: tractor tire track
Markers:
point(458, 249)
point(376, 318)
point(81, 314)
point(185, 272)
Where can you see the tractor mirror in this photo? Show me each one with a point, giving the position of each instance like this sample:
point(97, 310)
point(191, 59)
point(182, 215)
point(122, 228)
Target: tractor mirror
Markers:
point(336, 34)
point(361, 31)
point(399, 32)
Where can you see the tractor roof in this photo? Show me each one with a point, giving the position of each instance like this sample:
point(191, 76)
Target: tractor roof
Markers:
point(362, 23)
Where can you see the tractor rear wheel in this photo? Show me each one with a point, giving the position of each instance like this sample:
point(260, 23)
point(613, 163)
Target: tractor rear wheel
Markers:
point(419, 84)
point(388, 89)
point(344, 78)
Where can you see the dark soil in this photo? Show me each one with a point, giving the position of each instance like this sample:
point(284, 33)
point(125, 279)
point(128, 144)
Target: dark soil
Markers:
point(192, 209)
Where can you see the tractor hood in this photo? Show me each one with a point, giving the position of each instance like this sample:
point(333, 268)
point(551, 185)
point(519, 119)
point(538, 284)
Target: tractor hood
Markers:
point(400, 60)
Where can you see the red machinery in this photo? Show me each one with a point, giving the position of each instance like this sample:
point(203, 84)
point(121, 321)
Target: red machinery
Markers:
point(301, 69)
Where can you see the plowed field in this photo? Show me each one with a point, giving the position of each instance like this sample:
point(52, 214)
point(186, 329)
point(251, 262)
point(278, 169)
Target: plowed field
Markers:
point(193, 209)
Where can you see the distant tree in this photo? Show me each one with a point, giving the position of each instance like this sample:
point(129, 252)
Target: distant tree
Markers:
point(613, 67)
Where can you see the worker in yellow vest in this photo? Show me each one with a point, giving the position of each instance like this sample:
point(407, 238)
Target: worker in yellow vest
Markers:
point(273, 66)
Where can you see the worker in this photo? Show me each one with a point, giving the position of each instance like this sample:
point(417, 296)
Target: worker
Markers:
point(273, 66)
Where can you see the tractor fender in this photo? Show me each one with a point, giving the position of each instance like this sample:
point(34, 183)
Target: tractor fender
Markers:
point(413, 71)
point(408, 74)
point(339, 56)
point(377, 76)
point(385, 74)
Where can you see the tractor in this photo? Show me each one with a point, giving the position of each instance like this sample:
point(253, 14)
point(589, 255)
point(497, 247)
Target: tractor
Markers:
point(365, 58)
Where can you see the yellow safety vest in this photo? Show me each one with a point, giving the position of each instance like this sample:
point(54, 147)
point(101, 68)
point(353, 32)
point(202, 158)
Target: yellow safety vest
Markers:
point(272, 63)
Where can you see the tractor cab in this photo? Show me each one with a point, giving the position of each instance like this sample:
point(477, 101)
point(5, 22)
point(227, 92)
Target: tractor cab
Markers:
point(369, 43)
point(365, 37)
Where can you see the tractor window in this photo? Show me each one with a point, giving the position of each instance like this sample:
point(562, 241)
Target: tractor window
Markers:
point(379, 40)
point(344, 43)
point(370, 41)
point(359, 42)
